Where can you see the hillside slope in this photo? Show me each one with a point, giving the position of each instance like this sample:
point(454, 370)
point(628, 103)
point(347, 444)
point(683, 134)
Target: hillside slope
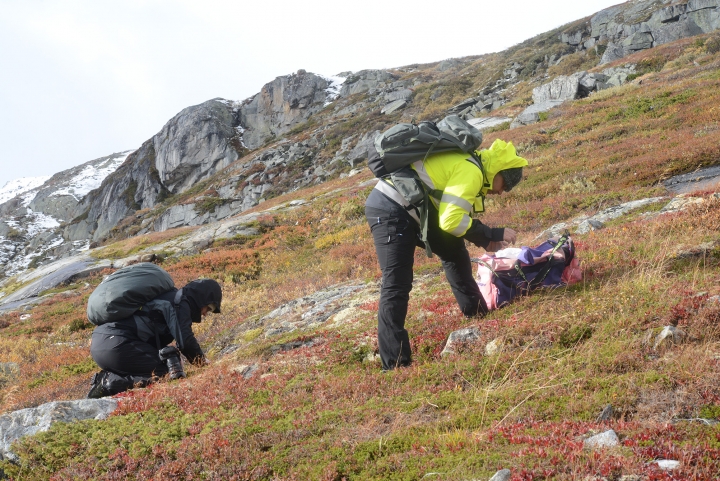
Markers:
point(294, 390)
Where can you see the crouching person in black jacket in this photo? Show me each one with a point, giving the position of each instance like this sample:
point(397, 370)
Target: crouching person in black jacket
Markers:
point(134, 351)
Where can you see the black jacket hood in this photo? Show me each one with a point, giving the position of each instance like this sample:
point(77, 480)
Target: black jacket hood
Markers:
point(201, 293)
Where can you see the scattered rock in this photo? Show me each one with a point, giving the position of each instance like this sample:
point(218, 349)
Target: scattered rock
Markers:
point(30, 421)
point(667, 464)
point(680, 203)
point(698, 180)
point(669, 335)
point(607, 413)
point(589, 225)
point(607, 439)
point(493, 347)
point(485, 123)
point(308, 311)
point(245, 370)
point(467, 335)
point(697, 251)
point(393, 107)
point(584, 224)
point(502, 475)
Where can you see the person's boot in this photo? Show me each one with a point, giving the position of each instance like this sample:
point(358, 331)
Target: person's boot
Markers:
point(97, 390)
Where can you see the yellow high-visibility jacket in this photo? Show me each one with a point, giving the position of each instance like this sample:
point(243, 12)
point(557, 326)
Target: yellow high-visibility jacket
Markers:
point(462, 184)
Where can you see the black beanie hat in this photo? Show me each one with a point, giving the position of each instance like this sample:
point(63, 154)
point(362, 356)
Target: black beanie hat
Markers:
point(512, 177)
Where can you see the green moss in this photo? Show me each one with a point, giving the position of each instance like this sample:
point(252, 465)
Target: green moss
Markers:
point(710, 411)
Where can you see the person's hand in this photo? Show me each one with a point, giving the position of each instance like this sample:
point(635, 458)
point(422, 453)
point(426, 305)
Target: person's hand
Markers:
point(510, 236)
point(496, 246)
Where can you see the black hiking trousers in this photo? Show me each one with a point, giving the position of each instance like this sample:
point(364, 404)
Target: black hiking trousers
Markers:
point(126, 356)
point(395, 234)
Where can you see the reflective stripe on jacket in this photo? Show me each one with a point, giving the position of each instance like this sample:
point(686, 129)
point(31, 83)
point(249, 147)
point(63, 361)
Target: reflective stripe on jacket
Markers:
point(460, 181)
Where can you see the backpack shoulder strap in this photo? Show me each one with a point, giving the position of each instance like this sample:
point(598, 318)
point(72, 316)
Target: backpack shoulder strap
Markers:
point(178, 298)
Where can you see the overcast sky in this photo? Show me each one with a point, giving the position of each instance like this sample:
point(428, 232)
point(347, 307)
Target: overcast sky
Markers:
point(81, 79)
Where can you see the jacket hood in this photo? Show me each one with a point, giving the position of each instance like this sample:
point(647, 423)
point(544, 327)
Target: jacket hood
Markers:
point(500, 156)
point(201, 293)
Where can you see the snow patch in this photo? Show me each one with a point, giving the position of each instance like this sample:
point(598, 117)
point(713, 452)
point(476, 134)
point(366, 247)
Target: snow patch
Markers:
point(38, 222)
point(92, 176)
point(333, 91)
point(240, 131)
point(20, 186)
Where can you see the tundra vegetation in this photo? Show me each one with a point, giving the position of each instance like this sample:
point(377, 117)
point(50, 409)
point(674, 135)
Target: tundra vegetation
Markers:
point(325, 411)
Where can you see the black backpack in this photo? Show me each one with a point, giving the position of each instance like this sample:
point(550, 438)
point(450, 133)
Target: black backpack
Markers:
point(131, 292)
point(403, 144)
point(393, 151)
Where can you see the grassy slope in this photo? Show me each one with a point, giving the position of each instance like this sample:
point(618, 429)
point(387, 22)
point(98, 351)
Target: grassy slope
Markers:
point(323, 413)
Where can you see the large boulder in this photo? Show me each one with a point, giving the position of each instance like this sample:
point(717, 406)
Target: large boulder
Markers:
point(27, 422)
point(366, 80)
point(560, 89)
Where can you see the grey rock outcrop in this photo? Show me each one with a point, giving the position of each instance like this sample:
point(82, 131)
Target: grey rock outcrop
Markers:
point(633, 26)
point(26, 422)
point(485, 123)
point(585, 224)
point(670, 335)
point(556, 92)
point(282, 104)
point(393, 107)
point(31, 224)
point(193, 145)
point(366, 81)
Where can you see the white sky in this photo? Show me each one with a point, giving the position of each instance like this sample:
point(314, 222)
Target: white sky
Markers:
point(81, 79)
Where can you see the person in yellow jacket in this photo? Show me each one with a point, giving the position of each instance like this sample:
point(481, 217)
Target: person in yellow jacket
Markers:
point(395, 227)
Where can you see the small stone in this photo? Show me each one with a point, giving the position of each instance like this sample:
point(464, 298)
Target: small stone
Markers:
point(667, 464)
point(470, 334)
point(246, 371)
point(606, 414)
point(630, 477)
point(502, 475)
point(608, 439)
point(669, 335)
point(493, 347)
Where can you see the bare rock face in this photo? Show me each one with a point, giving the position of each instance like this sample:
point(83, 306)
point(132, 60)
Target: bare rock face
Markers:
point(30, 421)
point(192, 146)
point(195, 144)
point(280, 105)
point(366, 80)
point(642, 24)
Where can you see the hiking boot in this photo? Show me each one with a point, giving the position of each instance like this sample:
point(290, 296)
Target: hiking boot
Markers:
point(96, 386)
